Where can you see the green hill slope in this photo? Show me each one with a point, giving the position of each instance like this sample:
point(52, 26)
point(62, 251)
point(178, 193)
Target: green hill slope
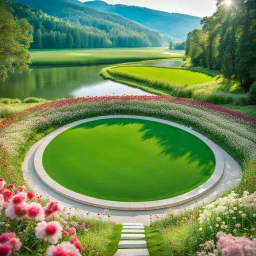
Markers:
point(173, 24)
point(99, 29)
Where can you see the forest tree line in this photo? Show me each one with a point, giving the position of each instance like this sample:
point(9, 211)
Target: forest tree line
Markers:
point(177, 46)
point(50, 32)
point(227, 41)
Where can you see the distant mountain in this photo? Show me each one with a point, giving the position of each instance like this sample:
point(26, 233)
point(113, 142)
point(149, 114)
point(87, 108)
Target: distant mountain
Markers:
point(111, 30)
point(173, 24)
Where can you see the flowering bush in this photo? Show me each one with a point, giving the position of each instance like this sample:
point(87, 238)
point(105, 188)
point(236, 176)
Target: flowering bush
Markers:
point(233, 214)
point(229, 245)
point(21, 206)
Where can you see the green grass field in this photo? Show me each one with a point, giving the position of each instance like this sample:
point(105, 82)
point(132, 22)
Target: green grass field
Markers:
point(128, 160)
point(198, 84)
point(176, 76)
point(99, 56)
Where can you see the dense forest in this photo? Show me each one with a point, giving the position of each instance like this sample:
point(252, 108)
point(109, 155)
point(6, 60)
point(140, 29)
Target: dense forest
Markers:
point(227, 41)
point(62, 24)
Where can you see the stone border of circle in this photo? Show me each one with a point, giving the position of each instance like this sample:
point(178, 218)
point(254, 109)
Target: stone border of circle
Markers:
point(138, 206)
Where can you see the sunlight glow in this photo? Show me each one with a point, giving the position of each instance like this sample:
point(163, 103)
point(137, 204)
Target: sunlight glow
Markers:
point(228, 2)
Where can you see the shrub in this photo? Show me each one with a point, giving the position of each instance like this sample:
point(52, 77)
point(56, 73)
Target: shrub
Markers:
point(34, 100)
point(6, 111)
point(252, 94)
point(9, 101)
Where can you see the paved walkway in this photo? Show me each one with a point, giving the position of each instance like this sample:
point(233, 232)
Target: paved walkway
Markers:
point(133, 240)
point(230, 179)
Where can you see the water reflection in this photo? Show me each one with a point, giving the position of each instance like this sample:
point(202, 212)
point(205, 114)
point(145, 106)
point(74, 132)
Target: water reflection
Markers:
point(67, 82)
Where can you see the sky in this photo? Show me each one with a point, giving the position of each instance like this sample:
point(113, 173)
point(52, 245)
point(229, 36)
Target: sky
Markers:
point(199, 8)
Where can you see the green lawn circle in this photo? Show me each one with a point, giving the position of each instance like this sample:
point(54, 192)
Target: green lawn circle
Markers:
point(128, 160)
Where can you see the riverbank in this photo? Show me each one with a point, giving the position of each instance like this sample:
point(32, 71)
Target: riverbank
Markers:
point(197, 84)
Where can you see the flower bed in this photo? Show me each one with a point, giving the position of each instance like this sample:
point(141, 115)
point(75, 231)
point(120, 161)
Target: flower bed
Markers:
point(28, 225)
point(234, 132)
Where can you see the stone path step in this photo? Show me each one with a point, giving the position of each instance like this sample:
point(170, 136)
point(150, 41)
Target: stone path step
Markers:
point(133, 231)
point(133, 227)
point(133, 252)
point(132, 244)
point(133, 224)
point(132, 236)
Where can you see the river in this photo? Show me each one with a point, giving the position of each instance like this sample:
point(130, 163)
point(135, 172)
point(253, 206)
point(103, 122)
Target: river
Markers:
point(67, 82)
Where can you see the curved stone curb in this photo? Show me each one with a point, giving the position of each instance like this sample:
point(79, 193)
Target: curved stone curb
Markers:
point(138, 206)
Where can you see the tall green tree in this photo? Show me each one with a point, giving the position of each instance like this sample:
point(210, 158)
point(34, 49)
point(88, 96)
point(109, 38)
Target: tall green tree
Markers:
point(246, 53)
point(70, 41)
point(227, 41)
point(15, 39)
point(38, 39)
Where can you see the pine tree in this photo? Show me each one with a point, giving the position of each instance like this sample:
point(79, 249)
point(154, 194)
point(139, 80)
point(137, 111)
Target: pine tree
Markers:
point(70, 42)
point(38, 39)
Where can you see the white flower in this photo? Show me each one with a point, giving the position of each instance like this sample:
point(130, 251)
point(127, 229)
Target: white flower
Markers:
point(238, 225)
point(65, 248)
point(49, 232)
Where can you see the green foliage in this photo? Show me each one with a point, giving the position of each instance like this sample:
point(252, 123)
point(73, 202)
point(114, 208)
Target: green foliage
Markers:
point(115, 238)
point(180, 46)
point(15, 39)
point(9, 101)
point(252, 94)
point(61, 24)
point(227, 42)
point(155, 242)
point(34, 100)
point(171, 45)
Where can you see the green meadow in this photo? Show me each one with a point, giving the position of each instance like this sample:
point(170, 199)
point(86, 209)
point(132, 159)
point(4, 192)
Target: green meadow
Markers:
point(99, 56)
point(176, 76)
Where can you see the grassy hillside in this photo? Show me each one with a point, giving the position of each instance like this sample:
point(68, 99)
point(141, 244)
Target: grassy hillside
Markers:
point(173, 24)
point(83, 26)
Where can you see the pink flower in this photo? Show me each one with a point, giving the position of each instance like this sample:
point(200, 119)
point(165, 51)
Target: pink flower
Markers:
point(30, 195)
point(19, 189)
point(7, 194)
point(17, 212)
point(19, 198)
point(2, 202)
point(235, 246)
point(6, 237)
point(78, 245)
point(35, 212)
point(52, 207)
point(63, 249)
point(49, 232)
point(10, 186)
point(65, 233)
point(72, 231)
point(2, 182)
point(13, 243)
point(5, 250)
point(72, 239)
